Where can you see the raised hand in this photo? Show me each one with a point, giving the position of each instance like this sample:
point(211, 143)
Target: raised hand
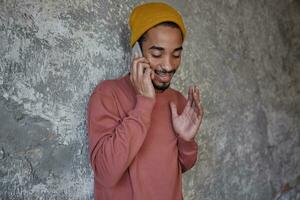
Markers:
point(187, 124)
point(141, 76)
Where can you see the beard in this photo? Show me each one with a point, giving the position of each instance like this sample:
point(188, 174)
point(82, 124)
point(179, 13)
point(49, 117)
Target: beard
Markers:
point(162, 86)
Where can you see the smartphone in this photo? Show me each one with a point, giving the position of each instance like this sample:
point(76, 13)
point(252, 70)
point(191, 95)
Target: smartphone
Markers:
point(136, 50)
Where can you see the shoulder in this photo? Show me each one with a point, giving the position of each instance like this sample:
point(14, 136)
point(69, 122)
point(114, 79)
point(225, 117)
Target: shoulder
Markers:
point(113, 86)
point(111, 90)
point(103, 93)
point(102, 97)
point(106, 87)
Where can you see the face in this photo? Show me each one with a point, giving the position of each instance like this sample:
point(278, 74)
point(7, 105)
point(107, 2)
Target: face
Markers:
point(162, 47)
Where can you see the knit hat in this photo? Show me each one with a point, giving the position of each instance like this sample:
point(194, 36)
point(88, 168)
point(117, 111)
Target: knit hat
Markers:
point(145, 16)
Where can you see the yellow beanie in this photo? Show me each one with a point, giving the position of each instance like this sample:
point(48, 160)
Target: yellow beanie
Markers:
point(145, 16)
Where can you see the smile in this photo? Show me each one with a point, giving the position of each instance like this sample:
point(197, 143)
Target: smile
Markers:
point(164, 72)
point(164, 77)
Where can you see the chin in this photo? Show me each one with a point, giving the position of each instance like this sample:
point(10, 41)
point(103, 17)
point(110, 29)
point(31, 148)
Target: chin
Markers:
point(161, 86)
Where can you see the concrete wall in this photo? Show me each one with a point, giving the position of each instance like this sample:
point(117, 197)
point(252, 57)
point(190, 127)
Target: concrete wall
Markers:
point(244, 55)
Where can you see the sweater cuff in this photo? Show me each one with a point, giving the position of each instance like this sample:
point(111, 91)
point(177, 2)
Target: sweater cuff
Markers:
point(187, 146)
point(144, 106)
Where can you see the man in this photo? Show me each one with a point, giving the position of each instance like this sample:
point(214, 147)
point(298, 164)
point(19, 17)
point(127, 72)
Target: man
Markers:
point(141, 132)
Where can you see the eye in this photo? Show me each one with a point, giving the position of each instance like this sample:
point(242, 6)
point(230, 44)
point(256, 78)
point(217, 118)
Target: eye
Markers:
point(156, 55)
point(177, 54)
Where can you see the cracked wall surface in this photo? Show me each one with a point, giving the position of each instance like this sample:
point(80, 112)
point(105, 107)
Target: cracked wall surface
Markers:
point(244, 55)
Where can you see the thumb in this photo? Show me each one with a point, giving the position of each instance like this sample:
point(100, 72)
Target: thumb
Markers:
point(173, 109)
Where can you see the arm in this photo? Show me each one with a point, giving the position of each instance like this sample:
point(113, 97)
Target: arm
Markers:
point(186, 125)
point(187, 150)
point(187, 153)
point(114, 141)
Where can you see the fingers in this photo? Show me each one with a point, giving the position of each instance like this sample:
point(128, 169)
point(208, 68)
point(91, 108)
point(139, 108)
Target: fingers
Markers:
point(190, 97)
point(173, 110)
point(140, 76)
point(195, 97)
point(190, 93)
point(147, 74)
point(152, 74)
point(197, 101)
point(194, 101)
point(138, 67)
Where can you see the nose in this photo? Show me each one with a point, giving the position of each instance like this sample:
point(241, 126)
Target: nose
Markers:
point(167, 65)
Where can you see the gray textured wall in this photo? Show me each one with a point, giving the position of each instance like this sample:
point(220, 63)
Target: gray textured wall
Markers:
point(244, 55)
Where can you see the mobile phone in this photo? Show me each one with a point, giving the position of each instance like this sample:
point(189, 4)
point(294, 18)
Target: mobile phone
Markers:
point(136, 50)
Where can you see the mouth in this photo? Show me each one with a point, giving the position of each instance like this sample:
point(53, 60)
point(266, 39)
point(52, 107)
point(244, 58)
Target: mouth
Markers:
point(163, 75)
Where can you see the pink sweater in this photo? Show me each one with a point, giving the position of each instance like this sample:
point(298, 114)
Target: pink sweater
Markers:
point(134, 152)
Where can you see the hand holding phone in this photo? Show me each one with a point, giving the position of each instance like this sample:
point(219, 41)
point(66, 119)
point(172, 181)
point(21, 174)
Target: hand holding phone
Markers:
point(141, 74)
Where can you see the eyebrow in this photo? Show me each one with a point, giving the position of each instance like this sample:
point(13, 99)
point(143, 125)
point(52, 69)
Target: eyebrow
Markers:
point(162, 49)
point(178, 49)
point(157, 48)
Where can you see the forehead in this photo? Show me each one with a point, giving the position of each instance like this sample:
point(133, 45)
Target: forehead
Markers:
point(164, 36)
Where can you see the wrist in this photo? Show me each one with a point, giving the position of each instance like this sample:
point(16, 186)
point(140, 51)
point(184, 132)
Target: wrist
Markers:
point(150, 96)
point(186, 139)
point(144, 103)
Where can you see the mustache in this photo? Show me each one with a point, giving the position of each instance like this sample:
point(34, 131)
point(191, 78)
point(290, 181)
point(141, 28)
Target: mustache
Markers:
point(164, 72)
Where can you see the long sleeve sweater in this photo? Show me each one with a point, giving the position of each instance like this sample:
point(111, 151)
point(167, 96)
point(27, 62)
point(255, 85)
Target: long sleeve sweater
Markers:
point(134, 152)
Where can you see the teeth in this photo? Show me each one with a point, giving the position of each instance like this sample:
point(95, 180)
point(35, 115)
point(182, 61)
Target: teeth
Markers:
point(161, 73)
